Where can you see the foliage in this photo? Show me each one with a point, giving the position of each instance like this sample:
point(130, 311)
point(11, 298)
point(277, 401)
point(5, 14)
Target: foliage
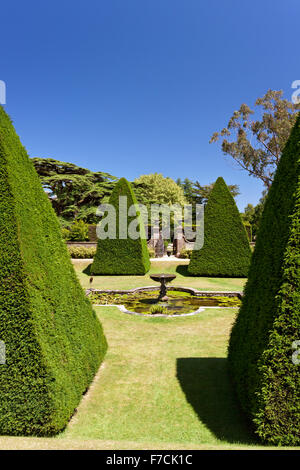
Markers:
point(203, 192)
point(154, 309)
point(257, 144)
point(226, 301)
point(81, 252)
point(155, 189)
point(248, 213)
point(260, 350)
point(166, 243)
point(78, 231)
point(195, 193)
point(187, 186)
point(248, 228)
point(54, 342)
point(185, 254)
point(74, 192)
point(151, 252)
point(65, 233)
point(252, 214)
point(123, 256)
point(226, 250)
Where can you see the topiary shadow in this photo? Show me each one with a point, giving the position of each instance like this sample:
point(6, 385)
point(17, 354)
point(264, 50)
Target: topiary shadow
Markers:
point(183, 270)
point(207, 386)
point(87, 269)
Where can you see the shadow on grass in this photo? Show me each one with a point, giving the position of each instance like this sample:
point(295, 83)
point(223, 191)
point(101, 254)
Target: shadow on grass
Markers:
point(207, 387)
point(183, 270)
point(87, 269)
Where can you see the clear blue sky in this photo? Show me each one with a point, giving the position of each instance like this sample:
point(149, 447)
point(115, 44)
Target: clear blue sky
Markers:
point(137, 86)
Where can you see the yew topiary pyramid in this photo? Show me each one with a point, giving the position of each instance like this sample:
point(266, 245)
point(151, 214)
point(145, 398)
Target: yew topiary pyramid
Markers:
point(261, 345)
point(226, 251)
point(123, 255)
point(54, 342)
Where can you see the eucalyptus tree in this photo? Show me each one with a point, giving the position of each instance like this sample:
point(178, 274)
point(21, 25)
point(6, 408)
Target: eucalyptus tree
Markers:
point(256, 142)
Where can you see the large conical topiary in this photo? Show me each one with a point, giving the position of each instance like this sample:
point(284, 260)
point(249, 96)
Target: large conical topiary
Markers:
point(266, 335)
point(53, 340)
point(123, 254)
point(226, 250)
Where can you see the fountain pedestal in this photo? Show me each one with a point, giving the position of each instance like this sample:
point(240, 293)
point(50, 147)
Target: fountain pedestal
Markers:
point(163, 279)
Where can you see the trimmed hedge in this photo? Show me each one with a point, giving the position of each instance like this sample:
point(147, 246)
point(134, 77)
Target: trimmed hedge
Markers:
point(54, 342)
point(261, 344)
point(81, 252)
point(226, 251)
point(122, 256)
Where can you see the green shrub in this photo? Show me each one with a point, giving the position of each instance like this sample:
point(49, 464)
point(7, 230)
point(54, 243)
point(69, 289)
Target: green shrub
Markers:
point(261, 344)
point(81, 252)
point(78, 231)
point(161, 309)
point(226, 250)
point(65, 233)
point(185, 254)
point(122, 256)
point(248, 228)
point(151, 252)
point(54, 342)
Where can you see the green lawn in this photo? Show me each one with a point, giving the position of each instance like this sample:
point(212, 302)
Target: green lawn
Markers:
point(164, 381)
point(179, 268)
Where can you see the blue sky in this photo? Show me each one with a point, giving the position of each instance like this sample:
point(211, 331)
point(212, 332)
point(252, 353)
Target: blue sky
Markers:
point(136, 86)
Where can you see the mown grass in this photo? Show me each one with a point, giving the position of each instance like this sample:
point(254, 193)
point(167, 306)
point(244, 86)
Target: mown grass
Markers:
point(163, 381)
point(179, 268)
point(164, 384)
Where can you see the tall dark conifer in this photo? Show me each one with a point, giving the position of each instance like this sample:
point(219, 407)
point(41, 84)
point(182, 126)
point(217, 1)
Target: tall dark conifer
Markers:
point(266, 335)
point(226, 250)
point(122, 254)
point(53, 341)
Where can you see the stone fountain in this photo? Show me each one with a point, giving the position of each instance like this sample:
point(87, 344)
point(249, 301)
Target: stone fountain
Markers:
point(163, 279)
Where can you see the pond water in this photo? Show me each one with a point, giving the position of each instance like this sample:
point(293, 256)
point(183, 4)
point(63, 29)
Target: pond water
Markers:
point(177, 303)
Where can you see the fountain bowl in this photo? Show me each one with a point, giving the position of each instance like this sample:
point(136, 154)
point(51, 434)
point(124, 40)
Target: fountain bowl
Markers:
point(159, 277)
